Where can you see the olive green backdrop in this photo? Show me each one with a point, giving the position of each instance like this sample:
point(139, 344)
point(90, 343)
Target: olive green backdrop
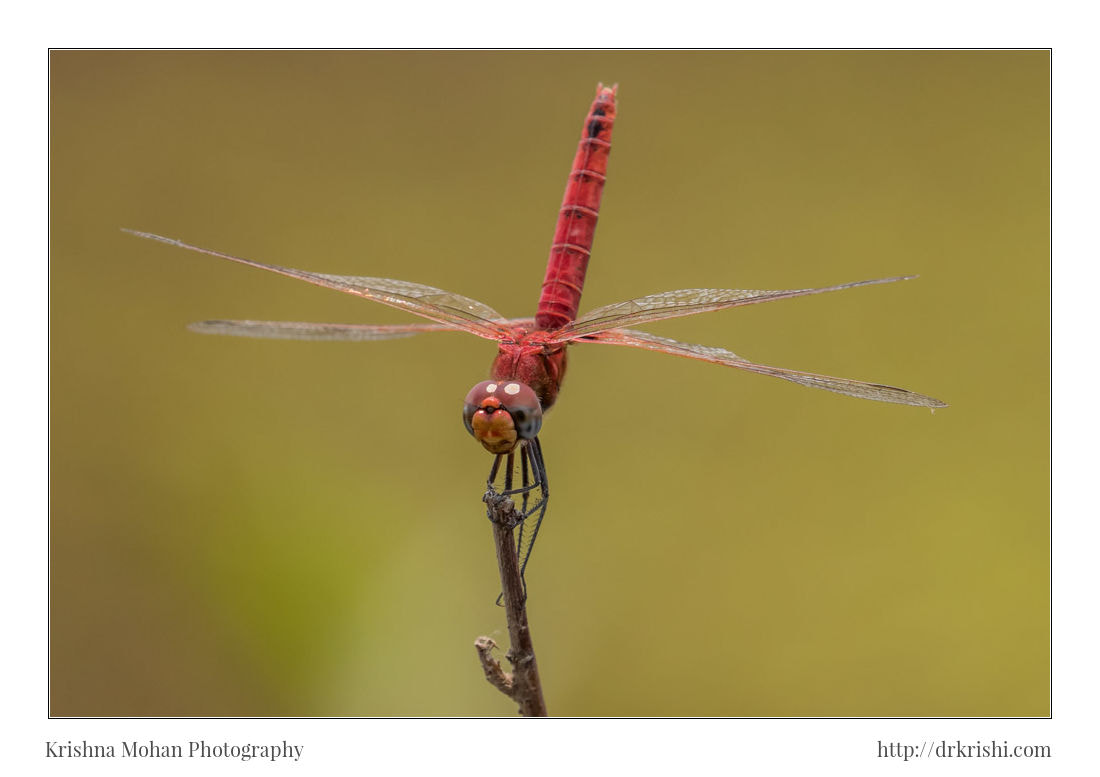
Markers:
point(244, 527)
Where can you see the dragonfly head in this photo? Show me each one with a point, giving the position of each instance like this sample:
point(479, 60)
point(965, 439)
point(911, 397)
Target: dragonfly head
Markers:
point(500, 414)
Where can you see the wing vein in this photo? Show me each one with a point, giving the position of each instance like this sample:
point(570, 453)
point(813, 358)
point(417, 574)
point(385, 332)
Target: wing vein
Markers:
point(425, 301)
point(686, 302)
point(852, 388)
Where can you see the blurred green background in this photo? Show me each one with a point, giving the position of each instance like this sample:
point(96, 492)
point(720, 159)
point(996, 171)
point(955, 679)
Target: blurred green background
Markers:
point(245, 527)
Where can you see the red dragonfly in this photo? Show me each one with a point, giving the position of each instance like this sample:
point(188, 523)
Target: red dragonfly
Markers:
point(505, 412)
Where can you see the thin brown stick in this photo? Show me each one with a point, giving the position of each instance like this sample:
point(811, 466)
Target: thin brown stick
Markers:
point(523, 685)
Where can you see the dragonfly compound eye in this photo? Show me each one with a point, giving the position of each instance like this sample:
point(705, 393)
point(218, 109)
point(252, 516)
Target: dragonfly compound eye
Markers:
point(501, 413)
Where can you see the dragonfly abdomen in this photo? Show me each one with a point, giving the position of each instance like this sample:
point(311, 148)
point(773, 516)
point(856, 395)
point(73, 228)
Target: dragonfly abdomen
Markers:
point(580, 209)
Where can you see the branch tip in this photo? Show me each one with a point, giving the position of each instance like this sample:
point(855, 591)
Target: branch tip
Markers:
point(496, 676)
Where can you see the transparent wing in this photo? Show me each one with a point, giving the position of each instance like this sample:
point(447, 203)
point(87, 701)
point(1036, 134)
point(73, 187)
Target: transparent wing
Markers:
point(425, 301)
point(300, 330)
point(851, 388)
point(296, 330)
point(685, 302)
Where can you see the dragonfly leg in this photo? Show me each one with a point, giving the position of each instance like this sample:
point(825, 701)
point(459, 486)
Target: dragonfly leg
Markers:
point(534, 451)
point(522, 532)
point(500, 507)
point(527, 518)
point(493, 471)
point(529, 480)
point(524, 479)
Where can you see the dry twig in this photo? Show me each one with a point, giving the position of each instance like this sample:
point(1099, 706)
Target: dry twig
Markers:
point(523, 684)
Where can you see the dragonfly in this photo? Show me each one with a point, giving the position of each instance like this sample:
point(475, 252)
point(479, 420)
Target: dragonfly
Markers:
point(505, 412)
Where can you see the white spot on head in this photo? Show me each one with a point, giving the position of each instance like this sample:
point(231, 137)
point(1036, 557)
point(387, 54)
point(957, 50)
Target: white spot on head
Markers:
point(490, 388)
point(512, 389)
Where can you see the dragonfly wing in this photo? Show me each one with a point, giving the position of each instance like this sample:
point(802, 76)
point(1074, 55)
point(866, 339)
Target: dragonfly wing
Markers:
point(299, 330)
point(685, 302)
point(295, 330)
point(425, 301)
point(851, 388)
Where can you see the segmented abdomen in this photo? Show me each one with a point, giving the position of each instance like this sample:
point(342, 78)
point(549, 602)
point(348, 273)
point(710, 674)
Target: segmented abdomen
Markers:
point(580, 208)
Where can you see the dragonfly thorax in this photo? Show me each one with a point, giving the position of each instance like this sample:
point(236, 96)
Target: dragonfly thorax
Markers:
point(532, 362)
point(500, 414)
